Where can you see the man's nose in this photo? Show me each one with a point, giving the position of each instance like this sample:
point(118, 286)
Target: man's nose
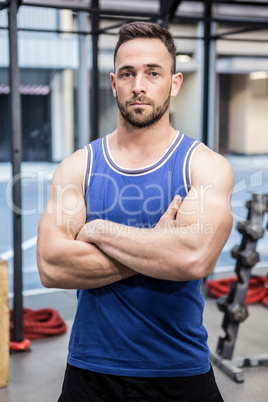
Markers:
point(139, 84)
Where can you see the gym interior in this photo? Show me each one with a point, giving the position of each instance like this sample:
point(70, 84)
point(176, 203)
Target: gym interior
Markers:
point(55, 97)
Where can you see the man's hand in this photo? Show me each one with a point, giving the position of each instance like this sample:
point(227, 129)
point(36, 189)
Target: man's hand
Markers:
point(169, 218)
point(186, 242)
point(167, 221)
point(63, 262)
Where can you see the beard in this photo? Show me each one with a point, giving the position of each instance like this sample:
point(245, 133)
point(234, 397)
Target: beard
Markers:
point(140, 117)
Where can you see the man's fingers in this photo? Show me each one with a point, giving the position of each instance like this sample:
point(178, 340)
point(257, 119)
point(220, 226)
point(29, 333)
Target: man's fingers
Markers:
point(171, 212)
point(174, 206)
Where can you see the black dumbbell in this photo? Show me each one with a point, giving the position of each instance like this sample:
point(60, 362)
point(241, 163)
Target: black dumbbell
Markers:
point(254, 231)
point(249, 258)
point(235, 251)
point(237, 312)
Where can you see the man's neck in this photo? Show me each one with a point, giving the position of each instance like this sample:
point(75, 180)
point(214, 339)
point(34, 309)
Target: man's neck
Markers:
point(138, 147)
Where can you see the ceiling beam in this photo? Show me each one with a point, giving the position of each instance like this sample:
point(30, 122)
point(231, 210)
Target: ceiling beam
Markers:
point(68, 5)
point(233, 2)
point(4, 4)
point(222, 35)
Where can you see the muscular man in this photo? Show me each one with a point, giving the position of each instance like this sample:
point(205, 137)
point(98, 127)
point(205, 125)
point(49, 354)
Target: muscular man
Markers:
point(135, 221)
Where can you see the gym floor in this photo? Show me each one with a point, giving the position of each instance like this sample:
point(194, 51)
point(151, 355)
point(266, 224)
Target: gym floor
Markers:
point(37, 376)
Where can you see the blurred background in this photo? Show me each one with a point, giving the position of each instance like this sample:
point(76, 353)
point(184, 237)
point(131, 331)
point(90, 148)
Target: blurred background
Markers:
point(65, 56)
point(55, 97)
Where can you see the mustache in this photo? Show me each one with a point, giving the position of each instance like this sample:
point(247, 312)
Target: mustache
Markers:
point(139, 98)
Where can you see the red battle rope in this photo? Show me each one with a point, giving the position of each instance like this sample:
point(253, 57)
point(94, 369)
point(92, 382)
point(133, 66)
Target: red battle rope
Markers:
point(257, 290)
point(39, 323)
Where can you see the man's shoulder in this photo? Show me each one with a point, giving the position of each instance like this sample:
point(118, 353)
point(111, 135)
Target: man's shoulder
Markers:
point(71, 169)
point(210, 163)
point(205, 153)
point(75, 160)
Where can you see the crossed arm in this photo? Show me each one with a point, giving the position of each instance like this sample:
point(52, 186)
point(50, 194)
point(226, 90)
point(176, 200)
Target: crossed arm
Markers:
point(184, 245)
point(64, 262)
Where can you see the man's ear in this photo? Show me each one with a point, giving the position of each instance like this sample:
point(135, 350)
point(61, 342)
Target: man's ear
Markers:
point(112, 79)
point(176, 84)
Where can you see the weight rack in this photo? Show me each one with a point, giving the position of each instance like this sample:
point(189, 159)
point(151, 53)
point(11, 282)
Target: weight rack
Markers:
point(233, 305)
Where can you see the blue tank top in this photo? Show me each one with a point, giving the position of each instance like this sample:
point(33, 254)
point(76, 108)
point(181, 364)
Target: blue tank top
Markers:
point(139, 326)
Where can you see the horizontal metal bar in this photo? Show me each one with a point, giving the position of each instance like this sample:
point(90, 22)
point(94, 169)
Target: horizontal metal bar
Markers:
point(121, 13)
point(56, 31)
point(227, 20)
point(239, 3)
point(237, 20)
point(56, 4)
point(216, 37)
point(79, 7)
point(242, 56)
point(240, 40)
point(243, 30)
point(40, 30)
point(231, 2)
point(4, 5)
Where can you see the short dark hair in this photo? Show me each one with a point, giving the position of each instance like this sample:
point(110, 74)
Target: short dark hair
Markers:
point(141, 29)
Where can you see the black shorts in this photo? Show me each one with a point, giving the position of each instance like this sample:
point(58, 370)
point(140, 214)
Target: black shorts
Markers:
point(86, 386)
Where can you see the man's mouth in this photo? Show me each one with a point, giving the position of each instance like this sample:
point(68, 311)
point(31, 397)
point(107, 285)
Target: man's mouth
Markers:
point(139, 102)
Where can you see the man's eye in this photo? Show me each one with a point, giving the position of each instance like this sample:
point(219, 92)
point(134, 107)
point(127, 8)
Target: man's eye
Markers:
point(127, 75)
point(154, 74)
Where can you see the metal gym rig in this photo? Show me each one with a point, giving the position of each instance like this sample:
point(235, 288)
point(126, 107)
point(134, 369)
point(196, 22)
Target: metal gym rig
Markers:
point(233, 305)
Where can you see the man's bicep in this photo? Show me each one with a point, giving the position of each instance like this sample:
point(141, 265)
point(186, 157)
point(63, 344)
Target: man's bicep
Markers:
point(209, 198)
point(62, 221)
point(205, 215)
point(66, 211)
point(205, 204)
point(67, 214)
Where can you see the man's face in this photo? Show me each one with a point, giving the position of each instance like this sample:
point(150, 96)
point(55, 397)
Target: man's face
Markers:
point(142, 82)
point(140, 116)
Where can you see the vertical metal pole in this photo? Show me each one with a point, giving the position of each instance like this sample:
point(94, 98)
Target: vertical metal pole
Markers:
point(94, 127)
point(207, 16)
point(14, 77)
point(212, 140)
point(83, 88)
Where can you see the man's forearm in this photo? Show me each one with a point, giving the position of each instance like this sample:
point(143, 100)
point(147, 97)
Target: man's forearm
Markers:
point(160, 252)
point(73, 264)
point(184, 245)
